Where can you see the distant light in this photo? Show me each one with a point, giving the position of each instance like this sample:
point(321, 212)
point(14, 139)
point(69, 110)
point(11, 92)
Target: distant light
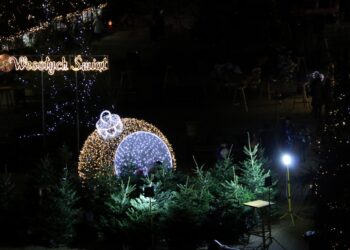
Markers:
point(287, 160)
point(317, 75)
point(110, 23)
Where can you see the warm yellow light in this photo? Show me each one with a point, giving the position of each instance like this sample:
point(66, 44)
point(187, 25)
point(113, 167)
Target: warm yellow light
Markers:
point(24, 64)
point(45, 25)
point(97, 154)
point(110, 23)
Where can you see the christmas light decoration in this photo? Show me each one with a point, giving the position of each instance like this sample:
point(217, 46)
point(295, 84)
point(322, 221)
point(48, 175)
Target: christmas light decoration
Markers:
point(99, 155)
point(23, 63)
point(5, 64)
point(317, 75)
point(331, 176)
point(87, 15)
point(67, 96)
point(143, 151)
point(109, 125)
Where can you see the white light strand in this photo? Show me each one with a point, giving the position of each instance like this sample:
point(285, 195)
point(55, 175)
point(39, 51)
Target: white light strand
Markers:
point(44, 25)
point(109, 125)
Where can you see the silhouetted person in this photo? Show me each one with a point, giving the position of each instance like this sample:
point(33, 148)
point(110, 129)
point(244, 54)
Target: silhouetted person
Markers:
point(287, 134)
point(328, 94)
point(316, 91)
point(98, 28)
point(157, 26)
point(222, 152)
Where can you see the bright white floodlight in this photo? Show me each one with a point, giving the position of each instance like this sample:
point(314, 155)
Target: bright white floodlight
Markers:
point(287, 160)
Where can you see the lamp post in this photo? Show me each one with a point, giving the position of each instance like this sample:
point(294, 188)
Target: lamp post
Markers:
point(287, 162)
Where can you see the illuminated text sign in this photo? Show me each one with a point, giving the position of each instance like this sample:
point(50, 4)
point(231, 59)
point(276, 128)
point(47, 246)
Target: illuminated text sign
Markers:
point(22, 63)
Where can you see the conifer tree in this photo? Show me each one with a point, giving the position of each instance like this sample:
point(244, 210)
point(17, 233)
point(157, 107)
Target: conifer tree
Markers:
point(6, 191)
point(253, 172)
point(61, 212)
point(6, 206)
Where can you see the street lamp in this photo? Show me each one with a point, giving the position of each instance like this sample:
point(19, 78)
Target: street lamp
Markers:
point(287, 161)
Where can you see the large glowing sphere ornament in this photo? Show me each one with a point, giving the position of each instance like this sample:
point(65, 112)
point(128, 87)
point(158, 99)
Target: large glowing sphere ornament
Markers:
point(118, 146)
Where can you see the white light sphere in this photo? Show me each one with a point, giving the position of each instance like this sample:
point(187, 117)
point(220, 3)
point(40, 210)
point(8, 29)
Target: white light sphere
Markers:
point(143, 150)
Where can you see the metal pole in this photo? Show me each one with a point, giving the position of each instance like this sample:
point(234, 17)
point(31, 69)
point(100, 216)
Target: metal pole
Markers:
point(43, 107)
point(77, 111)
point(150, 211)
point(289, 197)
point(263, 228)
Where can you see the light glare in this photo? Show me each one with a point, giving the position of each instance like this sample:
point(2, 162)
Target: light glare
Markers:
point(286, 160)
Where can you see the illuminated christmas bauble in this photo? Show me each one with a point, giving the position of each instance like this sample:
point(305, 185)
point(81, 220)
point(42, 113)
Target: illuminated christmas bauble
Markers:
point(5, 64)
point(142, 151)
point(137, 146)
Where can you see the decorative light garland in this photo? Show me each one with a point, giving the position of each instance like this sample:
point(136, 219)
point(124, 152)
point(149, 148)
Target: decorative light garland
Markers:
point(99, 155)
point(45, 25)
point(61, 109)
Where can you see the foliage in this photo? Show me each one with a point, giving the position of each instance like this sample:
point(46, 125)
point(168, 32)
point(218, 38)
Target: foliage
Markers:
point(186, 210)
point(236, 193)
point(54, 200)
point(117, 207)
point(64, 159)
point(253, 172)
point(44, 174)
point(60, 213)
point(7, 214)
point(186, 216)
point(6, 191)
point(63, 203)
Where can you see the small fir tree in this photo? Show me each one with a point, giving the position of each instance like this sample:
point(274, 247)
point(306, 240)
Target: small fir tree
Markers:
point(61, 212)
point(7, 214)
point(113, 221)
point(253, 173)
point(6, 191)
point(44, 173)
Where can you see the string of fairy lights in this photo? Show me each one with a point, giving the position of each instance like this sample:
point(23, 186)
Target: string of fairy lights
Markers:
point(64, 97)
point(330, 181)
point(85, 15)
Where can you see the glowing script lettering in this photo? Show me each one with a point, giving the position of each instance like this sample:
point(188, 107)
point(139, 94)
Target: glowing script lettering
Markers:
point(51, 67)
